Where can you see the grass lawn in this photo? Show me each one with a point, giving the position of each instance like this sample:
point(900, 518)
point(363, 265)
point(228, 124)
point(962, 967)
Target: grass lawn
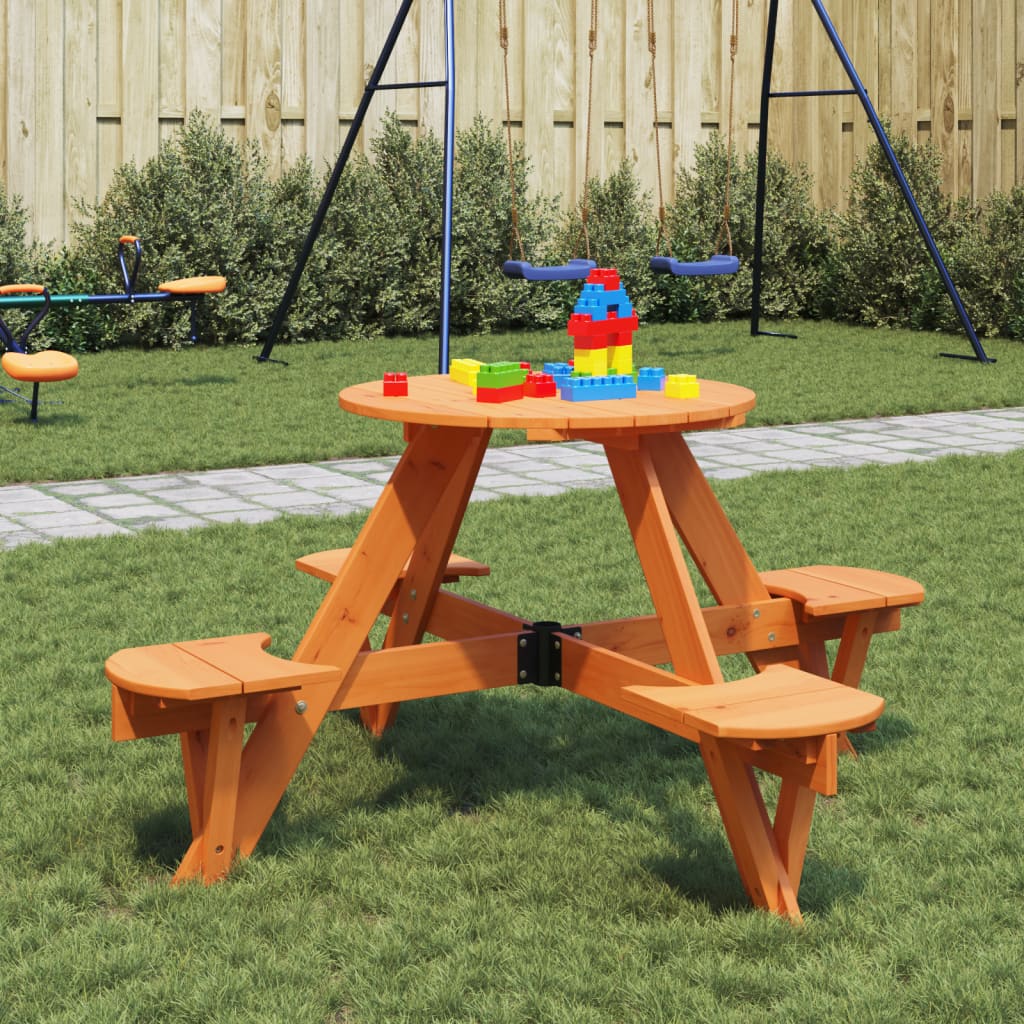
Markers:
point(522, 855)
point(138, 412)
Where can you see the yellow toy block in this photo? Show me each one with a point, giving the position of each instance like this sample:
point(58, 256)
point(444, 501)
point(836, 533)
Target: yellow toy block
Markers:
point(591, 361)
point(682, 385)
point(464, 371)
point(620, 360)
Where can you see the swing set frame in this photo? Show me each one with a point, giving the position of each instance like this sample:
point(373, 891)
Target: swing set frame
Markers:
point(374, 84)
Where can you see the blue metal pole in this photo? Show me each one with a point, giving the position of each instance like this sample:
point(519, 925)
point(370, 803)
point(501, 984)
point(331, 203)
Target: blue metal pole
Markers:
point(449, 163)
point(894, 164)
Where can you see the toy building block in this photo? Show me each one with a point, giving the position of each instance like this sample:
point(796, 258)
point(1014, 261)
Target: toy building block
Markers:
point(682, 385)
point(500, 375)
point(650, 378)
point(559, 371)
point(396, 384)
point(589, 333)
point(497, 395)
point(539, 385)
point(464, 371)
point(596, 389)
point(620, 359)
point(591, 362)
point(607, 277)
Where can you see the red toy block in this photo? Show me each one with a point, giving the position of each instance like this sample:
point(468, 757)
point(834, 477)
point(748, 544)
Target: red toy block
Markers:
point(608, 276)
point(396, 384)
point(539, 385)
point(496, 395)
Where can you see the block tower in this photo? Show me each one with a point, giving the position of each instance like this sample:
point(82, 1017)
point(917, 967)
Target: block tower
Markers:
point(602, 326)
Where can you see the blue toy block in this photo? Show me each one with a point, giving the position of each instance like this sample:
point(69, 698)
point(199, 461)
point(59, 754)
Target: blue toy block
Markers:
point(560, 371)
point(651, 378)
point(595, 301)
point(597, 389)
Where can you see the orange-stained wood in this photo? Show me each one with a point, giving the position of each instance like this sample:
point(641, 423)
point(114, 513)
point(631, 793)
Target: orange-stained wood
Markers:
point(440, 401)
point(826, 590)
point(456, 617)
point(208, 669)
point(793, 814)
point(326, 565)
point(779, 703)
point(424, 474)
point(701, 521)
point(396, 674)
point(213, 848)
point(675, 600)
point(751, 835)
point(423, 574)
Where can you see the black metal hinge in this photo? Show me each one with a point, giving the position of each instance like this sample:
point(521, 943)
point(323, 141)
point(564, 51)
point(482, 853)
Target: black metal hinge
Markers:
point(539, 653)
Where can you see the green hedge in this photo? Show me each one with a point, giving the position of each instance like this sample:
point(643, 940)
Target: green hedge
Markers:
point(206, 205)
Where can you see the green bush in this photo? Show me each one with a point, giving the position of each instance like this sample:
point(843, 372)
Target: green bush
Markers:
point(19, 262)
point(987, 263)
point(880, 272)
point(203, 205)
point(378, 260)
point(15, 259)
point(796, 237)
point(207, 205)
point(622, 229)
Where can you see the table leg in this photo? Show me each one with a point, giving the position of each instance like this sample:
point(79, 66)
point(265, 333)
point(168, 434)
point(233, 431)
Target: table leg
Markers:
point(418, 589)
point(710, 538)
point(421, 482)
point(668, 579)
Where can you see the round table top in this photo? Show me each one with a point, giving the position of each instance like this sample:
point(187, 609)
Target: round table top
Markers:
point(440, 401)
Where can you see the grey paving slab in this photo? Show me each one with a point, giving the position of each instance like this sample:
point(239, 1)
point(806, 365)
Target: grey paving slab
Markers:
point(39, 513)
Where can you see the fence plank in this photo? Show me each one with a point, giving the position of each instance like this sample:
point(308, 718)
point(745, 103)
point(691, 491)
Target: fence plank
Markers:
point(81, 153)
point(115, 76)
point(140, 80)
point(944, 88)
point(263, 78)
point(203, 62)
point(985, 102)
point(1019, 100)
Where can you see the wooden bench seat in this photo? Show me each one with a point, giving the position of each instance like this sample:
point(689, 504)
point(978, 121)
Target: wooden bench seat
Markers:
point(779, 703)
point(851, 604)
point(783, 720)
point(822, 591)
point(208, 669)
point(326, 565)
point(206, 691)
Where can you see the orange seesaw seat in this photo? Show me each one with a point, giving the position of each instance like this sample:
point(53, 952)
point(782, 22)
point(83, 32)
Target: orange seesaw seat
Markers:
point(206, 285)
point(34, 368)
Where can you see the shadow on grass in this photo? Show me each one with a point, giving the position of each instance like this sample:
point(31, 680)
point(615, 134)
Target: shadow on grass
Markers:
point(472, 751)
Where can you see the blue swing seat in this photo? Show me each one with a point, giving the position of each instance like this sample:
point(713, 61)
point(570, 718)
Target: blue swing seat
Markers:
point(574, 270)
point(719, 264)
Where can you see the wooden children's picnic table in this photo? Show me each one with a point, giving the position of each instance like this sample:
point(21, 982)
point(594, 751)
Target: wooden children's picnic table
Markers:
point(789, 718)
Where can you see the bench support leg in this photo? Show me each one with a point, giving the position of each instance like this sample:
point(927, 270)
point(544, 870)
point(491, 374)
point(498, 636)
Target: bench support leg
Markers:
point(769, 857)
point(418, 588)
point(212, 767)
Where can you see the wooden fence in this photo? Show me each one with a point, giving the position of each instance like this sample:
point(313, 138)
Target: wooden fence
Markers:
point(89, 84)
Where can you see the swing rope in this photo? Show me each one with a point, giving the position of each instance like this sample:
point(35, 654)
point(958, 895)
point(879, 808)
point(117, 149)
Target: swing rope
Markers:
point(724, 231)
point(585, 211)
point(575, 269)
point(516, 240)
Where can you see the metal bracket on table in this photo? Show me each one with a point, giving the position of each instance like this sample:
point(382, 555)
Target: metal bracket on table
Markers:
point(539, 653)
